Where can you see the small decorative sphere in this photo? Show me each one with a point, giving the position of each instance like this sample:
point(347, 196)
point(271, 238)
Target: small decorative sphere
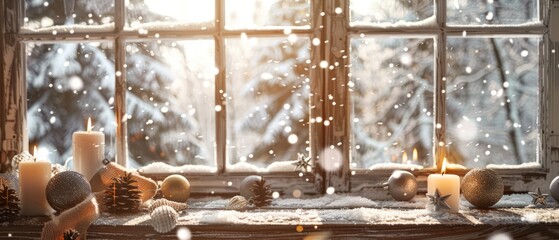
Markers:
point(554, 188)
point(176, 188)
point(402, 185)
point(66, 190)
point(482, 187)
point(246, 184)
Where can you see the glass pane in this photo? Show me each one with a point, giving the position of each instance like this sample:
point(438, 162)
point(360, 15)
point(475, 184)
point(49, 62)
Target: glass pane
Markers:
point(491, 12)
point(266, 13)
point(170, 102)
point(66, 84)
point(267, 103)
point(492, 106)
point(170, 14)
point(59, 16)
point(390, 11)
point(392, 96)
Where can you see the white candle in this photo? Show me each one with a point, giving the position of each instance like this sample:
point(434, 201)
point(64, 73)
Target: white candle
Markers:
point(446, 185)
point(88, 149)
point(33, 179)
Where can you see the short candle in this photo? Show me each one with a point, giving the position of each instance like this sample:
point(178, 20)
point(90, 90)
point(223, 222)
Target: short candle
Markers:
point(88, 149)
point(33, 179)
point(446, 185)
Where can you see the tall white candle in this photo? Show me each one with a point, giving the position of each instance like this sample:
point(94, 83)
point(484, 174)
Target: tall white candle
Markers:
point(33, 179)
point(446, 185)
point(88, 149)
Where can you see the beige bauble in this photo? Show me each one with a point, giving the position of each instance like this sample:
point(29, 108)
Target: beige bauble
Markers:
point(164, 219)
point(237, 203)
point(246, 184)
point(482, 187)
point(176, 188)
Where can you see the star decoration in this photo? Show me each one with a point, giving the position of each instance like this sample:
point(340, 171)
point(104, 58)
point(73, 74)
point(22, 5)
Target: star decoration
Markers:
point(303, 163)
point(438, 201)
point(538, 198)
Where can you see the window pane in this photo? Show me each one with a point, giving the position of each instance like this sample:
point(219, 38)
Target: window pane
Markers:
point(169, 14)
point(59, 16)
point(266, 13)
point(267, 103)
point(464, 12)
point(390, 11)
point(492, 106)
point(392, 96)
point(66, 84)
point(170, 102)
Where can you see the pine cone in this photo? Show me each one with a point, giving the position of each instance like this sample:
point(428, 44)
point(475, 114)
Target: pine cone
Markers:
point(71, 234)
point(123, 195)
point(9, 204)
point(262, 193)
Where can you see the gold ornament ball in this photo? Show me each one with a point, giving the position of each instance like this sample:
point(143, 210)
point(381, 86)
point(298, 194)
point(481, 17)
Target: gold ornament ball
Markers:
point(176, 188)
point(246, 184)
point(482, 187)
point(66, 190)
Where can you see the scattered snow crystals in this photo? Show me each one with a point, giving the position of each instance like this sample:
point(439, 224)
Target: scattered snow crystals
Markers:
point(524, 53)
point(506, 84)
point(118, 73)
point(323, 64)
point(464, 34)
point(183, 233)
point(487, 153)
point(331, 159)
point(468, 69)
point(315, 41)
point(46, 4)
point(266, 76)
point(330, 190)
point(292, 38)
point(275, 195)
point(218, 108)
point(338, 10)
point(292, 139)
point(489, 16)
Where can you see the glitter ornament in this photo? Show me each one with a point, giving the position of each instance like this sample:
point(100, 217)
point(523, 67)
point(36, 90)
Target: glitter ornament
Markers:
point(164, 219)
point(482, 187)
point(402, 185)
point(246, 184)
point(237, 203)
point(554, 188)
point(66, 189)
point(175, 188)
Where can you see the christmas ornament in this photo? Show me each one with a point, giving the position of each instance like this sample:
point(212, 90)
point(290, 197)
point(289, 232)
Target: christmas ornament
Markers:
point(482, 187)
point(9, 203)
point(66, 189)
point(78, 218)
point(246, 184)
point(538, 198)
point(262, 193)
point(164, 219)
point(71, 234)
point(23, 156)
point(10, 179)
point(554, 188)
point(175, 188)
point(238, 203)
point(437, 201)
point(104, 178)
point(164, 202)
point(123, 195)
point(402, 185)
point(303, 163)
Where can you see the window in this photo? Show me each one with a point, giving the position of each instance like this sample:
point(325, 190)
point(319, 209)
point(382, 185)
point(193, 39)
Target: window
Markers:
point(222, 89)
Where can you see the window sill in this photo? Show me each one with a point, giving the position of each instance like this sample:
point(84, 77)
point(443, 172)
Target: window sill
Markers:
point(341, 217)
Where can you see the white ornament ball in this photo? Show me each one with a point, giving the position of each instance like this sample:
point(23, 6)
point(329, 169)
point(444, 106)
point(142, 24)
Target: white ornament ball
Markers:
point(237, 203)
point(554, 188)
point(164, 219)
point(246, 184)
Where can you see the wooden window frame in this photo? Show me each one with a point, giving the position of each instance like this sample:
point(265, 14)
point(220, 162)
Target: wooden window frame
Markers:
point(334, 32)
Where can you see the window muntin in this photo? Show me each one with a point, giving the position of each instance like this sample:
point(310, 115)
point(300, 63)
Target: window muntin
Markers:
point(493, 100)
point(392, 94)
point(60, 99)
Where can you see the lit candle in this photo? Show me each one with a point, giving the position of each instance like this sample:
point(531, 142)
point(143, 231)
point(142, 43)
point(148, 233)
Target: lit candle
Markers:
point(88, 149)
point(414, 155)
point(443, 191)
point(33, 179)
point(404, 158)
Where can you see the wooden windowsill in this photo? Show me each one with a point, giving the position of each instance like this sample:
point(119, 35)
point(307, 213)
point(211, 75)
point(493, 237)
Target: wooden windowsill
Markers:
point(386, 219)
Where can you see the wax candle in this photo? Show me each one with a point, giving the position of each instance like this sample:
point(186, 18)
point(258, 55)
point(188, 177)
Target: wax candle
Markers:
point(443, 191)
point(88, 149)
point(33, 179)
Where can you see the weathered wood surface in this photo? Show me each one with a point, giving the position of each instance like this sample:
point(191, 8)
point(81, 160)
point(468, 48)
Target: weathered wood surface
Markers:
point(331, 231)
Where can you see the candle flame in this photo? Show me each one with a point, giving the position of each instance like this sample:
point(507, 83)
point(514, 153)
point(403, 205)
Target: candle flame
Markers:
point(35, 153)
point(414, 155)
point(404, 157)
point(89, 125)
point(443, 168)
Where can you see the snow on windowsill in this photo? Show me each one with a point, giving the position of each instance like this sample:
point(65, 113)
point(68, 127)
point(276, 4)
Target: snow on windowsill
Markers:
point(70, 29)
point(529, 165)
point(160, 167)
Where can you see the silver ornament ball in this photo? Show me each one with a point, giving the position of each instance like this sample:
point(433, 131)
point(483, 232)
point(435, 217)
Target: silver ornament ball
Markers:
point(402, 185)
point(554, 188)
point(246, 184)
point(66, 190)
point(482, 187)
